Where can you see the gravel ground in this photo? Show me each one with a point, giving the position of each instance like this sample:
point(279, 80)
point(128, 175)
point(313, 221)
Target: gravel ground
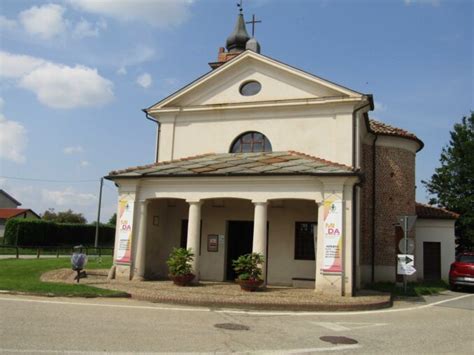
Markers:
point(220, 294)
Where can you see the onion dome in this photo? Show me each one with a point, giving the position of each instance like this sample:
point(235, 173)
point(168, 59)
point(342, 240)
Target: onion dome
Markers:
point(239, 37)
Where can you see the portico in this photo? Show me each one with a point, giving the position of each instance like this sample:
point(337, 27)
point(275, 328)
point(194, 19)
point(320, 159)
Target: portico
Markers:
point(281, 210)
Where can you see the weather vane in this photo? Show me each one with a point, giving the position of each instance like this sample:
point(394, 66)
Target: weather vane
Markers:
point(253, 22)
point(239, 5)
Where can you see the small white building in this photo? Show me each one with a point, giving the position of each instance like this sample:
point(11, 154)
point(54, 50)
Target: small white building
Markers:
point(257, 155)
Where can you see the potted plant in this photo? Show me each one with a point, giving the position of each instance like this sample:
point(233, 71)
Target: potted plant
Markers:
point(249, 271)
point(179, 264)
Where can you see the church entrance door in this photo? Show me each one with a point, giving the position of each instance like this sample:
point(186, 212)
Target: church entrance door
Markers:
point(239, 242)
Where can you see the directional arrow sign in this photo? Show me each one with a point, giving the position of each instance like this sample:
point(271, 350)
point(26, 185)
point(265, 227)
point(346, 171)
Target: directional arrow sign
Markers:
point(405, 265)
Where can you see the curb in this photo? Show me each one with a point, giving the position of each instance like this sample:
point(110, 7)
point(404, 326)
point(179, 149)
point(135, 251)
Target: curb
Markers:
point(332, 307)
point(21, 293)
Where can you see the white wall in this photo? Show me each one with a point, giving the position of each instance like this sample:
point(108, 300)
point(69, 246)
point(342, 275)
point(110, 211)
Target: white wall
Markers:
point(324, 132)
point(5, 202)
point(435, 230)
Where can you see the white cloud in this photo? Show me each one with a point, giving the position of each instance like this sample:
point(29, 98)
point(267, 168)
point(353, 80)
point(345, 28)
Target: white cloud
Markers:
point(61, 86)
point(380, 107)
point(84, 163)
point(144, 80)
point(15, 65)
point(45, 21)
point(122, 71)
point(73, 149)
point(422, 2)
point(13, 139)
point(162, 14)
point(85, 28)
point(6, 24)
point(138, 55)
point(68, 197)
point(57, 85)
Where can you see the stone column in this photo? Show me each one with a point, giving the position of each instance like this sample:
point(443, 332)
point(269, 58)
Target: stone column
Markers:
point(140, 255)
point(260, 233)
point(194, 234)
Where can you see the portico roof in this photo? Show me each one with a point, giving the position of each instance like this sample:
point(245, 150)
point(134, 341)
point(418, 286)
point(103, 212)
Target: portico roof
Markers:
point(238, 164)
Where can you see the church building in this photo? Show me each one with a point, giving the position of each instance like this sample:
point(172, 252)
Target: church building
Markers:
point(259, 156)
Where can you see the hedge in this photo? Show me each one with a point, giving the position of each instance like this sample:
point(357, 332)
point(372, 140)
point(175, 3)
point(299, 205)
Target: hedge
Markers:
point(36, 232)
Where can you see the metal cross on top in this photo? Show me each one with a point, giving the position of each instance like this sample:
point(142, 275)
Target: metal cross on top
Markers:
point(253, 22)
point(239, 5)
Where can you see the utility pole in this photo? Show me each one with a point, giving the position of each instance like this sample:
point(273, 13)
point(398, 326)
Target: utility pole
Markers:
point(96, 243)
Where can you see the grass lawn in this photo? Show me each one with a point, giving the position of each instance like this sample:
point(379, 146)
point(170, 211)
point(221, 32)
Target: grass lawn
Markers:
point(23, 275)
point(413, 288)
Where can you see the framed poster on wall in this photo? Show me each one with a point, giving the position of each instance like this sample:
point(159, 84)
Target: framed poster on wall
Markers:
point(213, 243)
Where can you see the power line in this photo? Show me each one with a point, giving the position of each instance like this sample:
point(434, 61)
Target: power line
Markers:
point(47, 180)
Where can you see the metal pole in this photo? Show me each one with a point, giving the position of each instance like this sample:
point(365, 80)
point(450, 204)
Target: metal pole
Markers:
point(96, 242)
point(406, 251)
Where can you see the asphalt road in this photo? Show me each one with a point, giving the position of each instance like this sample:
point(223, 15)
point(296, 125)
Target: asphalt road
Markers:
point(36, 325)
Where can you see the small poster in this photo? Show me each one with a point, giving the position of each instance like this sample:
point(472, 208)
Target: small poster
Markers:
point(212, 243)
point(332, 236)
point(124, 232)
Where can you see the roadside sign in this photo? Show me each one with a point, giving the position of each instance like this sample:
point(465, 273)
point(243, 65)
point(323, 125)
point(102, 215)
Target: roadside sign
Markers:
point(405, 265)
point(411, 246)
point(406, 222)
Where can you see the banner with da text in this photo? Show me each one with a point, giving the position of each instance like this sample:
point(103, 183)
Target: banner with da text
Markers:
point(124, 232)
point(332, 236)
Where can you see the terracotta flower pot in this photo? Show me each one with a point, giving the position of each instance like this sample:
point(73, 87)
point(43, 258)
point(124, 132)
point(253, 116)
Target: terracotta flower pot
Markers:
point(250, 285)
point(182, 280)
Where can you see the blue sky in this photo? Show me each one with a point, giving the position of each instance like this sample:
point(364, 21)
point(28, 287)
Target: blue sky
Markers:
point(414, 56)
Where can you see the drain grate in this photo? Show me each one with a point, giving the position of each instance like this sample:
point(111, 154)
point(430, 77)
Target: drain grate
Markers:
point(339, 340)
point(231, 326)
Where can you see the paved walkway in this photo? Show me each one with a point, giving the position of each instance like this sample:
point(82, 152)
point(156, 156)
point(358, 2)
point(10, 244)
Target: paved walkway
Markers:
point(227, 295)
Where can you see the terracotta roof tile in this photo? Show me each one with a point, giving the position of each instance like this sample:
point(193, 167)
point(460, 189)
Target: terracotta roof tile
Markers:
point(6, 213)
point(427, 211)
point(265, 163)
point(384, 129)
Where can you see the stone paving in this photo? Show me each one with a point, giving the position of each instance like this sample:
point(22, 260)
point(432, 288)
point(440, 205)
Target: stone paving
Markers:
point(227, 295)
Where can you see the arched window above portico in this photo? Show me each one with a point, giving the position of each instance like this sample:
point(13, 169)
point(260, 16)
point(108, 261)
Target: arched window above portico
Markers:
point(251, 142)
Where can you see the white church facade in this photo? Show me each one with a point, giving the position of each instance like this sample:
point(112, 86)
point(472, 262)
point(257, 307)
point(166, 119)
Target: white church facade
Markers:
point(259, 156)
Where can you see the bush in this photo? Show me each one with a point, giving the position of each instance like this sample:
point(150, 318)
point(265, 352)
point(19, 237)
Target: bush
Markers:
point(179, 262)
point(248, 266)
point(37, 232)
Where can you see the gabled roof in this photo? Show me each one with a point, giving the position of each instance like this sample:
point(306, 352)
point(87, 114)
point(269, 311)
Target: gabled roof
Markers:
point(238, 164)
point(432, 212)
point(383, 129)
point(4, 193)
point(261, 58)
point(6, 213)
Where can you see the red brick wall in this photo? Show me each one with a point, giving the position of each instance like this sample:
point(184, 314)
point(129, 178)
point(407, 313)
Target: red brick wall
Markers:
point(395, 195)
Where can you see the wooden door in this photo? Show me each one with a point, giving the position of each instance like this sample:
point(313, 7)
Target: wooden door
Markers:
point(431, 260)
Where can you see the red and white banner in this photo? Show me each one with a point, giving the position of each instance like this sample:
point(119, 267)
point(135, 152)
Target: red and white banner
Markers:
point(124, 232)
point(332, 236)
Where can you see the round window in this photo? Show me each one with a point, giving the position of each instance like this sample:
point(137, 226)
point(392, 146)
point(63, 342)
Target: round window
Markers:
point(250, 88)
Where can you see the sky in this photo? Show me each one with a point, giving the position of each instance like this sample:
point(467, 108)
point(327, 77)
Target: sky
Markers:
point(75, 75)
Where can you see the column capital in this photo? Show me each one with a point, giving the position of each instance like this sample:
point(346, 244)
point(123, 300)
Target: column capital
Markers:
point(194, 202)
point(260, 202)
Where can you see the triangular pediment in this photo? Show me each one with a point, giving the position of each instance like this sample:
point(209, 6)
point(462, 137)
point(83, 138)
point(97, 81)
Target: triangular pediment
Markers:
point(279, 82)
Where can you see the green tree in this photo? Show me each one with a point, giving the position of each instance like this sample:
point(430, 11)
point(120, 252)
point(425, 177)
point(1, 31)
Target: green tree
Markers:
point(63, 217)
point(113, 220)
point(452, 184)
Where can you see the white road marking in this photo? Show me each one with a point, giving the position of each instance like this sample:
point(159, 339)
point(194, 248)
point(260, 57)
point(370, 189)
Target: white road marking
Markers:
point(340, 327)
point(255, 313)
point(286, 351)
